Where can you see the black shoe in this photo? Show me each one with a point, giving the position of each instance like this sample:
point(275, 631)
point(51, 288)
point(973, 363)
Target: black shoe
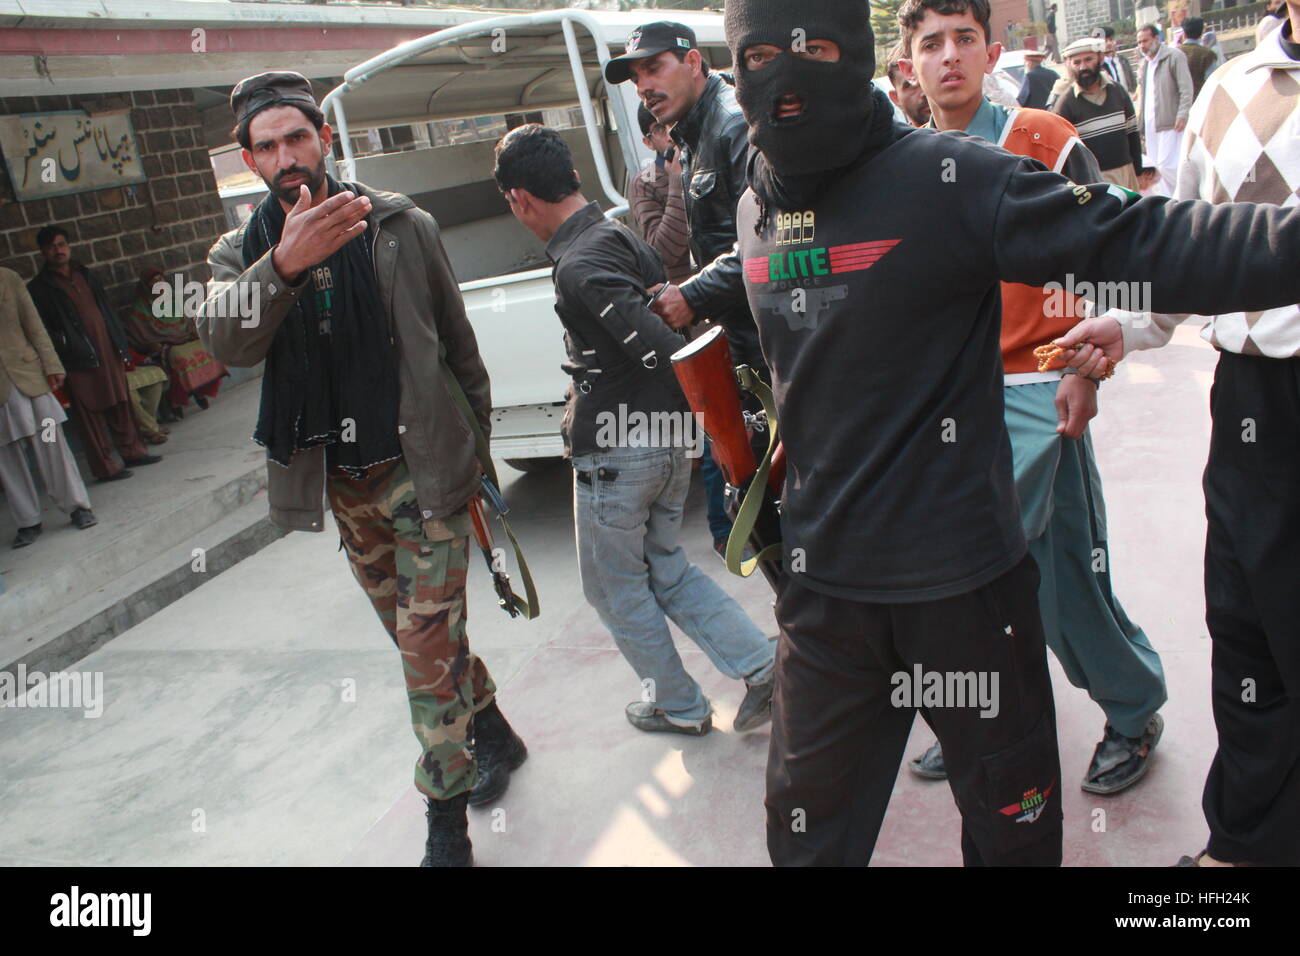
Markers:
point(142, 460)
point(929, 766)
point(26, 536)
point(756, 708)
point(201, 402)
point(645, 717)
point(498, 751)
point(118, 476)
point(83, 518)
point(448, 841)
point(1119, 761)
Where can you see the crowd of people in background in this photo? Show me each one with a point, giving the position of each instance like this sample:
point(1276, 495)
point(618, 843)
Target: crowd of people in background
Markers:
point(64, 348)
point(1132, 120)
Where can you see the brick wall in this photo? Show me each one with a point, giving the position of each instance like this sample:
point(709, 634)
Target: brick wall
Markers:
point(1003, 13)
point(171, 220)
point(1081, 16)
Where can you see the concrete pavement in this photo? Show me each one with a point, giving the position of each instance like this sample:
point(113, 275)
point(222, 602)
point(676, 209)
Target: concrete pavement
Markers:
point(71, 590)
point(260, 719)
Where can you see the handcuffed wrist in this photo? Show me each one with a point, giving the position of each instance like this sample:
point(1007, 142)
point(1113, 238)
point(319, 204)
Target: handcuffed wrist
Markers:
point(1074, 371)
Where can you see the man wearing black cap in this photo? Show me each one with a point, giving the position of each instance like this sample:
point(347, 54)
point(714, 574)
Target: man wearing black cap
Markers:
point(676, 86)
point(908, 581)
point(348, 295)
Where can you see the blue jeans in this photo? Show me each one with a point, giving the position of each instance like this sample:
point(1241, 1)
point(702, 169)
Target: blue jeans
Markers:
point(715, 492)
point(628, 519)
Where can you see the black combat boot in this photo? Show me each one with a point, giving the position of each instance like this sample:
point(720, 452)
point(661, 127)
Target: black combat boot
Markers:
point(497, 750)
point(448, 843)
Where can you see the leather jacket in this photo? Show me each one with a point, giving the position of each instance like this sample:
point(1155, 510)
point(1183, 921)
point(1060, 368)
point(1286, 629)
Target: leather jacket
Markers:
point(63, 322)
point(714, 138)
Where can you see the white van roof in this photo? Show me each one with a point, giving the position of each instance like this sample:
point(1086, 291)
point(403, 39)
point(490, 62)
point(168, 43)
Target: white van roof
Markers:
point(524, 68)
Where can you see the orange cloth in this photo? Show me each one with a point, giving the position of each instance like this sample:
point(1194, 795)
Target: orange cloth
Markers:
point(1032, 316)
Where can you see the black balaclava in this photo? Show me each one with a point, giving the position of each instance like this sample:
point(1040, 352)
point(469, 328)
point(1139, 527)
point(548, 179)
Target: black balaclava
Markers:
point(837, 97)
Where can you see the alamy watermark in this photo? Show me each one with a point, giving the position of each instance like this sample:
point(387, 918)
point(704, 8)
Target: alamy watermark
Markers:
point(129, 910)
point(238, 300)
point(944, 689)
point(636, 429)
point(77, 690)
point(1070, 299)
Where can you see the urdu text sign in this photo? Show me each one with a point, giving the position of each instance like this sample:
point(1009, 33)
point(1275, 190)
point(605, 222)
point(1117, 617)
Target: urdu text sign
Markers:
point(54, 154)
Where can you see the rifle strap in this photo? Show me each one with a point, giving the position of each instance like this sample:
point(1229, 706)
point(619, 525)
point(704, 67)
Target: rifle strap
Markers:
point(743, 526)
point(527, 607)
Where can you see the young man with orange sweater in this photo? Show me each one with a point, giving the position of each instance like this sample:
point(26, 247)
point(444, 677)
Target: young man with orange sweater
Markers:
point(1047, 415)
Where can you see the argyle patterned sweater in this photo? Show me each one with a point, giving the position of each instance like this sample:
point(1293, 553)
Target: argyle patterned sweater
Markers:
point(1242, 145)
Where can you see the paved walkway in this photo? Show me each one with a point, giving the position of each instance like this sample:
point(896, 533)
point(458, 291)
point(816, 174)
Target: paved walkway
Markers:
point(209, 469)
point(260, 720)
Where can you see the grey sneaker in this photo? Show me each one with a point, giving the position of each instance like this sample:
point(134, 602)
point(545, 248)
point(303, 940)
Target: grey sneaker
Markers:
point(929, 766)
point(644, 716)
point(755, 709)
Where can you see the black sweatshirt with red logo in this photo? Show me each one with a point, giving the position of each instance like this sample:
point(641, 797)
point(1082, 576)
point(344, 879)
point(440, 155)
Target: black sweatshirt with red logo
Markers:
point(878, 306)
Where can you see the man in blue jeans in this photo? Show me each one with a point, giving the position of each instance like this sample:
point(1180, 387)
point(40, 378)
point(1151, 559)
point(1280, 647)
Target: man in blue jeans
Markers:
point(627, 428)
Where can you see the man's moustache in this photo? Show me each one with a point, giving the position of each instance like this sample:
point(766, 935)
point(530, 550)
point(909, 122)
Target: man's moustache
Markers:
point(304, 173)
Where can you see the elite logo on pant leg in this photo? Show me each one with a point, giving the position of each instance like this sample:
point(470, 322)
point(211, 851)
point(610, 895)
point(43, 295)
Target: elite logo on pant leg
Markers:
point(1030, 806)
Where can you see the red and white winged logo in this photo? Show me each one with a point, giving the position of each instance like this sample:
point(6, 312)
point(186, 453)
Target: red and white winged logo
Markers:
point(860, 255)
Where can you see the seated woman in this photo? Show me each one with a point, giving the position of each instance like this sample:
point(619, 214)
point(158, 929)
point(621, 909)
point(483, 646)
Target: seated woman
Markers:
point(146, 377)
point(160, 327)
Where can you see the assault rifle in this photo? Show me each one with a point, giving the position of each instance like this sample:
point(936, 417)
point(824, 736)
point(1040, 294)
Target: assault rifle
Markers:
point(713, 388)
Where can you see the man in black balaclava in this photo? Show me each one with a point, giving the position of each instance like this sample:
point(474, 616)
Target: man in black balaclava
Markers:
point(805, 86)
point(908, 584)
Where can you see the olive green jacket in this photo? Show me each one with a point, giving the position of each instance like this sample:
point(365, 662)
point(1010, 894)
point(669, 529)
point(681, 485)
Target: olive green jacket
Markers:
point(425, 311)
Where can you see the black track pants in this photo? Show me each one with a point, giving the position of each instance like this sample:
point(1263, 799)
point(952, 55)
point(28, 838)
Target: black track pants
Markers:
point(1252, 600)
point(840, 722)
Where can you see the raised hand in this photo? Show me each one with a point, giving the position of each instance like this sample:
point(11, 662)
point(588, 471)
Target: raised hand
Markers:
point(314, 233)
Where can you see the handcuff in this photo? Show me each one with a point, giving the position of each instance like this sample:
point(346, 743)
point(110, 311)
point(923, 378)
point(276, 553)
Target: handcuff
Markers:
point(1074, 371)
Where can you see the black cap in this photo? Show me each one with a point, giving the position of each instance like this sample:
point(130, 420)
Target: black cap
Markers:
point(282, 88)
point(649, 40)
point(645, 119)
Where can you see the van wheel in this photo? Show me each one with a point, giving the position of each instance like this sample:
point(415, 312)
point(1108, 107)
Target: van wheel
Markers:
point(533, 466)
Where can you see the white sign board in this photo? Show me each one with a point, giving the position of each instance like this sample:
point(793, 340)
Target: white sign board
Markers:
point(53, 154)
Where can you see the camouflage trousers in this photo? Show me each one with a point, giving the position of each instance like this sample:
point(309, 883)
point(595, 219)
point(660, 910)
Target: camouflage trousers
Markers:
point(414, 573)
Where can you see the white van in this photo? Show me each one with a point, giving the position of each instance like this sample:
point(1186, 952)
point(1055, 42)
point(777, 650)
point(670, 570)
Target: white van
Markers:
point(507, 66)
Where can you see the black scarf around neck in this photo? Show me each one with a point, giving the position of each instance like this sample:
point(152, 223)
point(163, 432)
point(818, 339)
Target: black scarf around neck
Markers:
point(331, 374)
point(797, 192)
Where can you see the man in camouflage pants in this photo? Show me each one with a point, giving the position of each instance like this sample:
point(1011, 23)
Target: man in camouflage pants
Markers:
point(414, 573)
point(357, 312)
